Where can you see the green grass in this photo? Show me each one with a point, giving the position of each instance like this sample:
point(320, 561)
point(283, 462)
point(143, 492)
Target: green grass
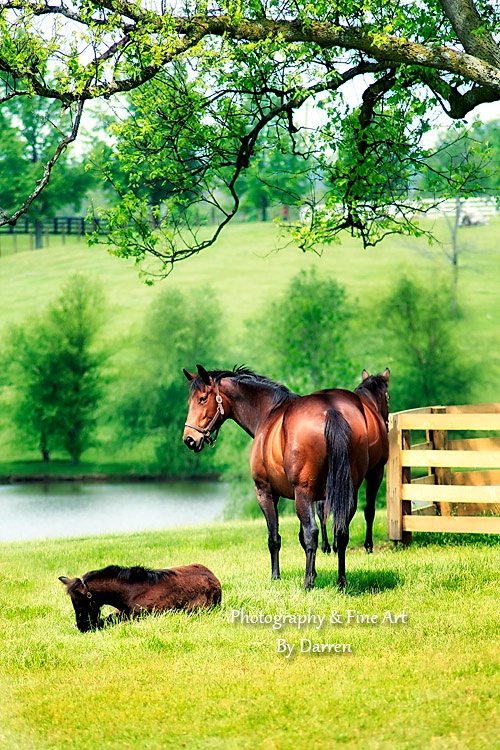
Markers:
point(199, 681)
point(246, 270)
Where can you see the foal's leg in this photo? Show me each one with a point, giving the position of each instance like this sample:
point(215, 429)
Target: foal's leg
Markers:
point(268, 503)
point(325, 544)
point(308, 535)
point(373, 480)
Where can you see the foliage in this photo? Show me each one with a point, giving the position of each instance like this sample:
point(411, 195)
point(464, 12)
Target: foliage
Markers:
point(31, 129)
point(178, 331)
point(55, 371)
point(226, 74)
point(276, 176)
point(465, 156)
point(303, 337)
point(430, 366)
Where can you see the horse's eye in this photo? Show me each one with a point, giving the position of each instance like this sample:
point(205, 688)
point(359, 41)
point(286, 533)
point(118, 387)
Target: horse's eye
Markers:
point(203, 398)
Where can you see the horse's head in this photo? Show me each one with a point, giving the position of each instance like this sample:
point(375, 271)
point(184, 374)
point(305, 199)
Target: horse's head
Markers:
point(205, 410)
point(376, 386)
point(87, 609)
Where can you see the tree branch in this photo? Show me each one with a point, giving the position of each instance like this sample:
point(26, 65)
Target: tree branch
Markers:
point(63, 144)
point(471, 29)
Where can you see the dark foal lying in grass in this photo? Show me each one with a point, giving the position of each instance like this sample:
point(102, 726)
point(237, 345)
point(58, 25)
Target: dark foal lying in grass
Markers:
point(134, 591)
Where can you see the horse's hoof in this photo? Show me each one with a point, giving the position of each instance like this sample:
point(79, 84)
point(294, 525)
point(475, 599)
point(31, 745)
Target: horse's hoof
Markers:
point(342, 582)
point(369, 548)
point(326, 549)
point(275, 577)
point(309, 582)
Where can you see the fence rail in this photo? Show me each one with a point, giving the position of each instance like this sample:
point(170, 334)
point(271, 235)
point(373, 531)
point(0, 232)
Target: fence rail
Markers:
point(485, 206)
point(443, 499)
point(62, 225)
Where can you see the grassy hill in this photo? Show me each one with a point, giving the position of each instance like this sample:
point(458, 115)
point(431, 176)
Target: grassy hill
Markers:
point(246, 270)
point(207, 682)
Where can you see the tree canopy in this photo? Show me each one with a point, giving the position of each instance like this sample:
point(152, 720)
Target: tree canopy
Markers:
point(218, 75)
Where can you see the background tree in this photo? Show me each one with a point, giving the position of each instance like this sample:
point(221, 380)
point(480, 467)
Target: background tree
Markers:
point(252, 65)
point(30, 133)
point(179, 331)
point(303, 338)
point(55, 371)
point(76, 320)
point(276, 177)
point(467, 156)
point(426, 352)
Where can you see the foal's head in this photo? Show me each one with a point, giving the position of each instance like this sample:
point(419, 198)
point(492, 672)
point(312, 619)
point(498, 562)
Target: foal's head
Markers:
point(87, 609)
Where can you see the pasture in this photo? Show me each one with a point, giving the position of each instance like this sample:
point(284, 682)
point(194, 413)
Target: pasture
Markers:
point(418, 661)
point(202, 681)
point(245, 270)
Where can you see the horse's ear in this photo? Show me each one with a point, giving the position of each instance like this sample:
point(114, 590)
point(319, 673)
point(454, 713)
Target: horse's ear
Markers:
point(64, 579)
point(386, 373)
point(365, 374)
point(203, 374)
point(189, 375)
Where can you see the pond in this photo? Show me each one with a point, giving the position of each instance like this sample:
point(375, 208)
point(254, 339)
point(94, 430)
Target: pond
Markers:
point(61, 509)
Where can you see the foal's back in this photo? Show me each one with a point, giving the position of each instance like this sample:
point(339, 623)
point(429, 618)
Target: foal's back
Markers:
point(185, 587)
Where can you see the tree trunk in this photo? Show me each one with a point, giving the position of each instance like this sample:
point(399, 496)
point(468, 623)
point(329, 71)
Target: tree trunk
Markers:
point(263, 207)
point(38, 234)
point(44, 449)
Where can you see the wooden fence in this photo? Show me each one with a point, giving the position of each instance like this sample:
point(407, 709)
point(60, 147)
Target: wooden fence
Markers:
point(64, 225)
point(443, 484)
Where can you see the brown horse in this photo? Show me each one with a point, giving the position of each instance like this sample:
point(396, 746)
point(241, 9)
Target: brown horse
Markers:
point(315, 448)
point(134, 591)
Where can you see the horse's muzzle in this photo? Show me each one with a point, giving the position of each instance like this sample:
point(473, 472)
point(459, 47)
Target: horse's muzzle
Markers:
point(194, 445)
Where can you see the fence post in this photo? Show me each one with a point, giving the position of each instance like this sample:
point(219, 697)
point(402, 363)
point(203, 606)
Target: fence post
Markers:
point(394, 514)
point(439, 440)
point(406, 479)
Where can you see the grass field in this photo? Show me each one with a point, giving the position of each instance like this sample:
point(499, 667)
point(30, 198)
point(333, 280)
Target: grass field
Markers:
point(245, 270)
point(202, 681)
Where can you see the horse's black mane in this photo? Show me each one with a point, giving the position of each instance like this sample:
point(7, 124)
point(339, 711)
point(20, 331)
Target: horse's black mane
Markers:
point(373, 384)
point(136, 574)
point(242, 374)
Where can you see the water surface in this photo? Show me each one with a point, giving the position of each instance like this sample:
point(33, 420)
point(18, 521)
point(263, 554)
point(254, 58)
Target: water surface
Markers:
point(61, 509)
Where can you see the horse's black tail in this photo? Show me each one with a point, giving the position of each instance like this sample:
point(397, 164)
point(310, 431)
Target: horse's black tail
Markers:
point(339, 487)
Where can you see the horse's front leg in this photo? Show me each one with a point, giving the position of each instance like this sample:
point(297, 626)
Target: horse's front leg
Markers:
point(268, 503)
point(325, 544)
point(308, 535)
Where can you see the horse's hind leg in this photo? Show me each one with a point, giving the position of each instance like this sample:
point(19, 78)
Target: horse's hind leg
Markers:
point(342, 542)
point(373, 481)
point(268, 503)
point(308, 534)
point(325, 544)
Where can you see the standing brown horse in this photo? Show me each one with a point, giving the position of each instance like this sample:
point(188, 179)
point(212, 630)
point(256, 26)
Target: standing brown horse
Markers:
point(315, 448)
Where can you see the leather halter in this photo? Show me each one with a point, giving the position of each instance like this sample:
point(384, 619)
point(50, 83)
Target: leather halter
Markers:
point(207, 431)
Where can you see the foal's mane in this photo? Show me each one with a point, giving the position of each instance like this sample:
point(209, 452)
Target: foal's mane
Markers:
point(245, 376)
point(136, 574)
